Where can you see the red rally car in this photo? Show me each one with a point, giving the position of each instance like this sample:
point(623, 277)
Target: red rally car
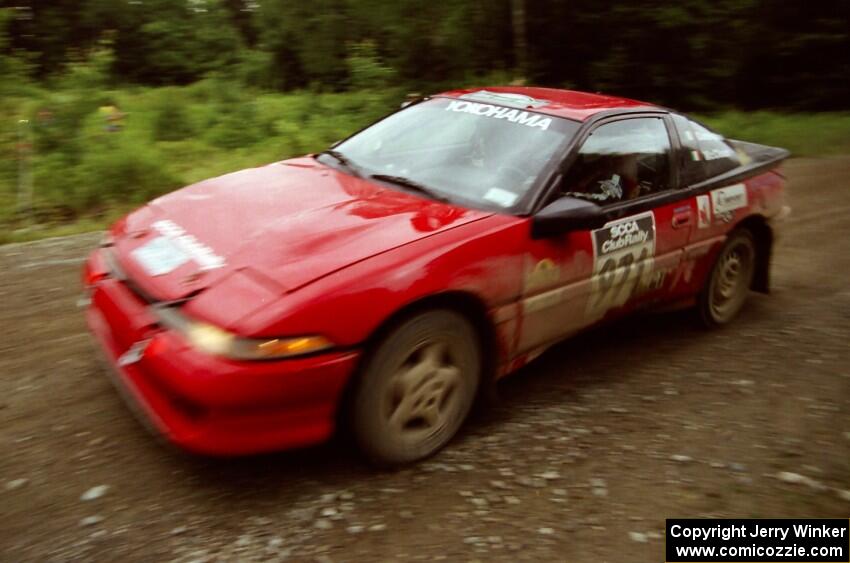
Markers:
point(377, 286)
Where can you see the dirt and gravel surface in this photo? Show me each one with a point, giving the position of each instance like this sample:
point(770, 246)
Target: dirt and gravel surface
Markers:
point(588, 451)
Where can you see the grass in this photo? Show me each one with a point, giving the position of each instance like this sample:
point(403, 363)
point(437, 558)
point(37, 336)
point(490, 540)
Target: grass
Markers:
point(85, 177)
point(812, 134)
point(43, 231)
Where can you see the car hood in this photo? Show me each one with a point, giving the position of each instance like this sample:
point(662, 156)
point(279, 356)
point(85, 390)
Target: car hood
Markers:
point(280, 226)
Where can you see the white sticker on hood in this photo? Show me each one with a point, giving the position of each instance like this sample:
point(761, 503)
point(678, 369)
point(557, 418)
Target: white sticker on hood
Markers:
point(200, 253)
point(160, 256)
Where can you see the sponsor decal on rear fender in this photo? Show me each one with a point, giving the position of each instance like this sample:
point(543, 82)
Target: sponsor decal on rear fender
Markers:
point(728, 199)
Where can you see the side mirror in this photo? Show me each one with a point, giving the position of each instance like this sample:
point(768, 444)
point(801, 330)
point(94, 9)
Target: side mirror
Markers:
point(564, 215)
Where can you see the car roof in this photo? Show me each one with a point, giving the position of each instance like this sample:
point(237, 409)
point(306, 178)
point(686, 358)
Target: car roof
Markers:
point(561, 103)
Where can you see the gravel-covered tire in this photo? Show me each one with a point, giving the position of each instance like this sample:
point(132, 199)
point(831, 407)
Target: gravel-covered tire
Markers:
point(416, 388)
point(728, 284)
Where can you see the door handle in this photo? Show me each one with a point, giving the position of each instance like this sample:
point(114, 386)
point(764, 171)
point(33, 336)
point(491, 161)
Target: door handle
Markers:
point(681, 220)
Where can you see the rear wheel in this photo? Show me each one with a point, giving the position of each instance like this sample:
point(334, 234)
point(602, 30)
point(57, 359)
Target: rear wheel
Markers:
point(728, 284)
point(417, 388)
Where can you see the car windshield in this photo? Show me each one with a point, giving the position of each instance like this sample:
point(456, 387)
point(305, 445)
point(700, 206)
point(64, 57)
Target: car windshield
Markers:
point(472, 153)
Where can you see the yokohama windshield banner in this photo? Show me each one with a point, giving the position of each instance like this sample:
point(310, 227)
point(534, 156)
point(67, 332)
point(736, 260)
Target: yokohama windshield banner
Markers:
point(758, 540)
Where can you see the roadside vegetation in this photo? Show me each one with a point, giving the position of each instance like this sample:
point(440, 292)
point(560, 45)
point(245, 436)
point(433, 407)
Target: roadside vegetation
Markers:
point(83, 169)
point(82, 176)
point(104, 105)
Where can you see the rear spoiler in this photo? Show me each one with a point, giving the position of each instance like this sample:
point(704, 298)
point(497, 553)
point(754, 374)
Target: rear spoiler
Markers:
point(755, 159)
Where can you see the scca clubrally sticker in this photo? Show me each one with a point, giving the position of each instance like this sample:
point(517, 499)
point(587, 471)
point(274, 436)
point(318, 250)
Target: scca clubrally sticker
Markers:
point(623, 253)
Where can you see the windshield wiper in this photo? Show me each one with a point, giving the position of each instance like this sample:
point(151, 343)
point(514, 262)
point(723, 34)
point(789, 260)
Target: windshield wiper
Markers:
point(411, 184)
point(342, 159)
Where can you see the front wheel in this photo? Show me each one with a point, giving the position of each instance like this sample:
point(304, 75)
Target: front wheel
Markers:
point(728, 284)
point(416, 388)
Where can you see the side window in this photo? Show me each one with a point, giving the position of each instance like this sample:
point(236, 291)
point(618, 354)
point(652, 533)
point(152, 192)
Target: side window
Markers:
point(704, 153)
point(620, 161)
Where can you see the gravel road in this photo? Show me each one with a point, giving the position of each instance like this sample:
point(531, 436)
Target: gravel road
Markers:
point(588, 451)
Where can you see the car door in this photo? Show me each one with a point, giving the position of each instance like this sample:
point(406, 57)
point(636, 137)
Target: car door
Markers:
point(576, 279)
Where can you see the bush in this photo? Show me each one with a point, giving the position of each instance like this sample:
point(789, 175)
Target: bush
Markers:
point(254, 68)
point(365, 68)
point(56, 183)
point(236, 126)
point(120, 171)
point(90, 71)
point(179, 135)
point(116, 172)
point(14, 70)
point(171, 120)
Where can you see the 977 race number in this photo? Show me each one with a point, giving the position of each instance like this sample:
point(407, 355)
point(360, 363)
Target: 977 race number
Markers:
point(623, 259)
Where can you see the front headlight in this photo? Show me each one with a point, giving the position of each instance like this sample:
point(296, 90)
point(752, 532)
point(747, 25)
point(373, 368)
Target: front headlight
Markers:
point(213, 340)
point(208, 338)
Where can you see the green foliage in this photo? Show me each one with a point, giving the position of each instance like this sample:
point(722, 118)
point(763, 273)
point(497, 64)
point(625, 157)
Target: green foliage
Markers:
point(692, 54)
point(83, 174)
point(185, 40)
point(171, 120)
point(111, 169)
point(234, 126)
point(57, 118)
point(116, 170)
point(221, 60)
point(170, 137)
point(229, 115)
point(8, 177)
point(254, 68)
point(14, 70)
point(365, 67)
point(91, 71)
